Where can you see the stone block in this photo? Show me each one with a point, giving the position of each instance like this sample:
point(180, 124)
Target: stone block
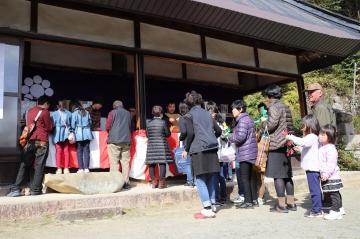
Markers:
point(345, 128)
point(85, 183)
point(89, 213)
point(343, 117)
point(352, 142)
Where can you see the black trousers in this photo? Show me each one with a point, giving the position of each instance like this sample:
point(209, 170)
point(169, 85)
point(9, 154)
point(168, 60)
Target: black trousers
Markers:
point(162, 170)
point(282, 185)
point(32, 164)
point(248, 180)
point(333, 200)
point(83, 153)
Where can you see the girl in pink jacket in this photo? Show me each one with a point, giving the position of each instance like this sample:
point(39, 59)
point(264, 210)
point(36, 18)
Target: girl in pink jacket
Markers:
point(330, 173)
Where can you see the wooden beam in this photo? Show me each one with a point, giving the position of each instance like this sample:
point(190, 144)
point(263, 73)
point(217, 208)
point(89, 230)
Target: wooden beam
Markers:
point(27, 53)
point(34, 15)
point(203, 47)
point(256, 57)
point(137, 36)
point(169, 23)
point(184, 71)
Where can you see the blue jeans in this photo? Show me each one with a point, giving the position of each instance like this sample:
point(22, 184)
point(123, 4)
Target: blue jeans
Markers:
point(189, 174)
point(238, 179)
point(220, 192)
point(83, 153)
point(315, 191)
point(227, 170)
point(205, 185)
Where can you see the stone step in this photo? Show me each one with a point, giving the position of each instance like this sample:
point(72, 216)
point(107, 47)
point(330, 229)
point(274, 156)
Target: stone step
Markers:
point(139, 196)
point(89, 213)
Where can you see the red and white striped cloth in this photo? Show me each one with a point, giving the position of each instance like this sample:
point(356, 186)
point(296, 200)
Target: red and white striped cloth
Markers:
point(99, 155)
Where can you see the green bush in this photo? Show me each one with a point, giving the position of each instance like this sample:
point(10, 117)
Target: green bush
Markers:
point(347, 161)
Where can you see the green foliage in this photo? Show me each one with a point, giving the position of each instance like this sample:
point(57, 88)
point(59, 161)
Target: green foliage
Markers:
point(356, 122)
point(348, 8)
point(332, 5)
point(347, 161)
point(290, 98)
point(252, 102)
point(336, 79)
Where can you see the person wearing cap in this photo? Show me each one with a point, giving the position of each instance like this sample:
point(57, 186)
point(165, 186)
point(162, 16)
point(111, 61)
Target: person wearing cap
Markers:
point(118, 124)
point(318, 105)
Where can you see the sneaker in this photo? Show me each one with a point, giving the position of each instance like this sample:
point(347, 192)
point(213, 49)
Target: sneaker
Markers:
point(229, 179)
point(240, 199)
point(333, 215)
point(245, 205)
point(59, 171)
point(314, 214)
point(86, 170)
point(66, 171)
point(342, 211)
point(205, 213)
point(80, 171)
point(261, 201)
point(15, 193)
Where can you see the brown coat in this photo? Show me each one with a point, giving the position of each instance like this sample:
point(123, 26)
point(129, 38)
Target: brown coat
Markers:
point(279, 119)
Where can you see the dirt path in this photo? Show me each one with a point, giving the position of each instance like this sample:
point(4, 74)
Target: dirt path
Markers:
point(177, 222)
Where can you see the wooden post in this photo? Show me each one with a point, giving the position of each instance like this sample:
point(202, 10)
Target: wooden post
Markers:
point(34, 15)
point(140, 93)
point(302, 97)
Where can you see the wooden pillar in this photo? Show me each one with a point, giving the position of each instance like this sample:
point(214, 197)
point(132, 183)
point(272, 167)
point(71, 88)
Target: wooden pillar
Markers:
point(34, 15)
point(140, 93)
point(302, 97)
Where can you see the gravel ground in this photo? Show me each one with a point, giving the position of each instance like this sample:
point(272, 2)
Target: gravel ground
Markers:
point(176, 221)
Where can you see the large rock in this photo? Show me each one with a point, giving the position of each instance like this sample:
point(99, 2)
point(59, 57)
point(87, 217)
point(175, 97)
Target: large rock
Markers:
point(85, 183)
point(344, 123)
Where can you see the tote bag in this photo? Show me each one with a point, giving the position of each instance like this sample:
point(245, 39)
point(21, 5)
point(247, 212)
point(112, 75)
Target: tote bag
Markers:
point(227, 152)
point(181, 163)
point(263, 150)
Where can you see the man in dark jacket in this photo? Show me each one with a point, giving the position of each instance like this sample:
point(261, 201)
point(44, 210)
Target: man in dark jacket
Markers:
point(37, 147)
point(118, 124)
point(319, 107)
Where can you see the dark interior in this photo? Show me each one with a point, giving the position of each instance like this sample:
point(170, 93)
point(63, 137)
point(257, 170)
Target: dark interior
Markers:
point(87, 86)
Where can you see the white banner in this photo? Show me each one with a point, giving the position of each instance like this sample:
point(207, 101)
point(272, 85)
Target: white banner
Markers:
point(2, 80)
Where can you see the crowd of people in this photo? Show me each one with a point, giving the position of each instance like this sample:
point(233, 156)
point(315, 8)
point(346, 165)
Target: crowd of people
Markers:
point(205, 143)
